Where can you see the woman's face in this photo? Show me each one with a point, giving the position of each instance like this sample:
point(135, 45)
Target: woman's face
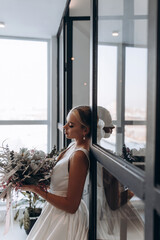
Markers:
point(73, 128)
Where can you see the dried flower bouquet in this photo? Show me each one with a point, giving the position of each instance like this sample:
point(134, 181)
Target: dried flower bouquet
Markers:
point(25, 167)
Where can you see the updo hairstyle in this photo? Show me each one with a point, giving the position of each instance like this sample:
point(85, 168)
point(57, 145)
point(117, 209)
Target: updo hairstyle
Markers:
point(83, 115)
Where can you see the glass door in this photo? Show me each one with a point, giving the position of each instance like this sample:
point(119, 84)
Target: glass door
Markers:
point(125, 183)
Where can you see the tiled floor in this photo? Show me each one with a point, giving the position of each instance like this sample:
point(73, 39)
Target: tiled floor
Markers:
point(15, 232)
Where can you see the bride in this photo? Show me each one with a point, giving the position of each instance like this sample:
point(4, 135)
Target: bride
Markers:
point(65, 216)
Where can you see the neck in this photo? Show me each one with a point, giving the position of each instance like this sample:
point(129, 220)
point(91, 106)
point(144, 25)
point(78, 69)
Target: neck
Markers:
point(82, 143)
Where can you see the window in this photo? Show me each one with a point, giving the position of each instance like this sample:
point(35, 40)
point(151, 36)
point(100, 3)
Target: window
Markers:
point(24, 118)
point(122, 56)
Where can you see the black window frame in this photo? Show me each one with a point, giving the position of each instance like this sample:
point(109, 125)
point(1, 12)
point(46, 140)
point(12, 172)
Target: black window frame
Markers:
point(144, 184)
point(66, 27)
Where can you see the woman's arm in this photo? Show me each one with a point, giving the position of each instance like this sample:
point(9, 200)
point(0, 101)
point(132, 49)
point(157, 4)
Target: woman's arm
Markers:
point(78, 168)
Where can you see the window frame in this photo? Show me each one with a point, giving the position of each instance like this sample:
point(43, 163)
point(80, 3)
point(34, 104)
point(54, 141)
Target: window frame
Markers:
point(66, 28)
point(145, 184)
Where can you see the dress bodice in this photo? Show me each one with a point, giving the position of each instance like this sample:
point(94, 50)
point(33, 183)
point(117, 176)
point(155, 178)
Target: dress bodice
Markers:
point(60, 175)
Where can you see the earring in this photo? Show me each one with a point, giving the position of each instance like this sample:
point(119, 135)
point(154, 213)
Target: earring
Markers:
point(84, 138)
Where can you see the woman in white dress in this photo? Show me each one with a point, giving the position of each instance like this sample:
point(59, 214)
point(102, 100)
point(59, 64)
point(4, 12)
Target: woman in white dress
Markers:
point(65, 216)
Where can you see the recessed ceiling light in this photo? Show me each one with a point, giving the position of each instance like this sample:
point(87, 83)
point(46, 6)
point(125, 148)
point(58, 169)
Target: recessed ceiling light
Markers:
point(2, 25)
point(115, 33)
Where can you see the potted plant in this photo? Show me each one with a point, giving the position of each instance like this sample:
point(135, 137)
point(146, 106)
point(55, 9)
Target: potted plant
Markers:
point(32, 210)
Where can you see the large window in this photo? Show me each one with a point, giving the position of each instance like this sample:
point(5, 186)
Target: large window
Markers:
point(24, 117)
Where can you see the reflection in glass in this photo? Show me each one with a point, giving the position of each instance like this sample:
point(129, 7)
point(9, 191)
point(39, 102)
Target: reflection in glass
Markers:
point(135, 136)
point(135, 143)
point(122, 76)
point(120, 214)
point(107, 37)
point(105, 129)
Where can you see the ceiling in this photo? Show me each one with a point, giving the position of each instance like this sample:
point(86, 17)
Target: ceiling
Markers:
point(31, 18)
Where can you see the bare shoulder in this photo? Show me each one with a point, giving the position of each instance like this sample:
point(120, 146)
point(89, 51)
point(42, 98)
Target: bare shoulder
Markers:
point(79, 157)
point(79, 154)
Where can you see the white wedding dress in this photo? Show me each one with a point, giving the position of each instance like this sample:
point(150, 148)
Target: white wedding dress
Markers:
point(54, 223)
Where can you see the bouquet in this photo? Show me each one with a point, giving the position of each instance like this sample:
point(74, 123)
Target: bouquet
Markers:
point(26, 167)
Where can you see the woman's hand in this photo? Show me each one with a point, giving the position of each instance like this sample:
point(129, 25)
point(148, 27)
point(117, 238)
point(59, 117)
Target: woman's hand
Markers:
point(30, 188)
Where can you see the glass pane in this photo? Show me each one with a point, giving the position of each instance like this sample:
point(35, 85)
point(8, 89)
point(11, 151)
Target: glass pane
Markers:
point(120, 213)
point(107, 80)
point(110, 7)
point(108, 141)
point(28, 136)
point(140, 7)
point(60, 82)
point(81, 51)
point(79, 8)
point(136, 83)
point(135, 142)
point(140, 32)
point(107, 37)
point(122, 78)
point(23, 75)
